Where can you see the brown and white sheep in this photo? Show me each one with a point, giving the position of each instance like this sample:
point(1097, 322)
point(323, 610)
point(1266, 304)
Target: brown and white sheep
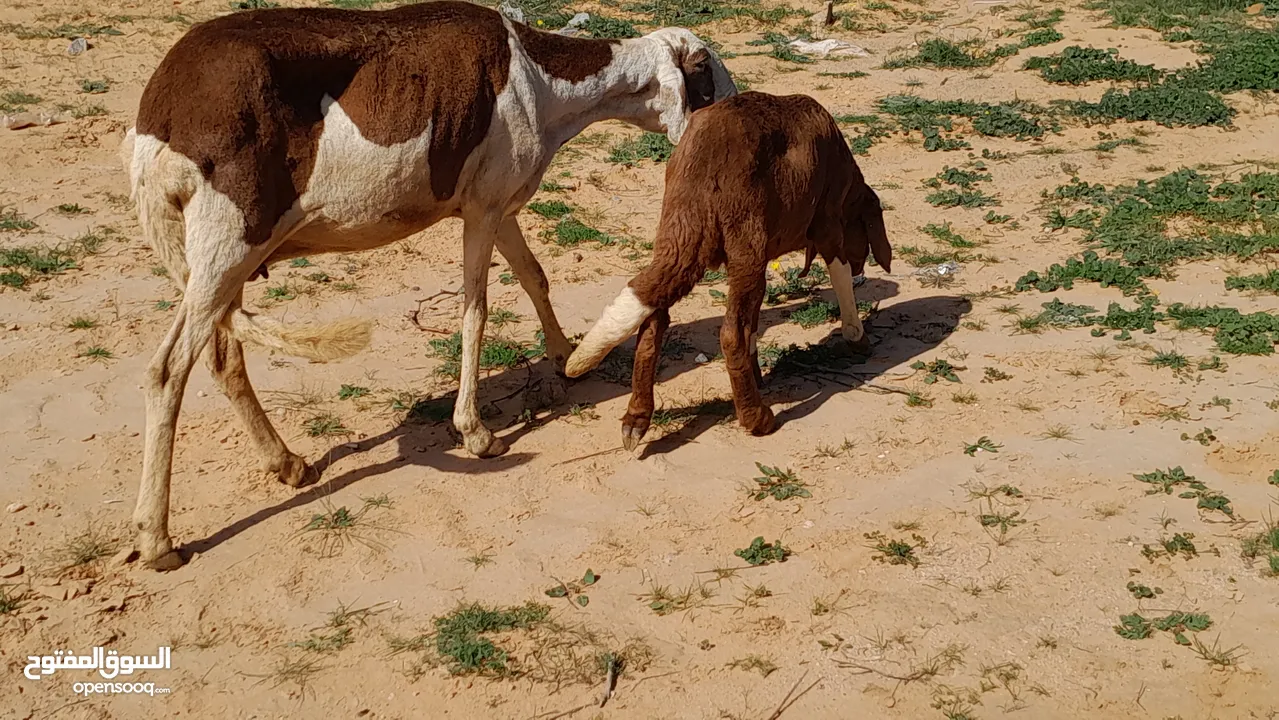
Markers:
point(756, 177)
point(273, 134)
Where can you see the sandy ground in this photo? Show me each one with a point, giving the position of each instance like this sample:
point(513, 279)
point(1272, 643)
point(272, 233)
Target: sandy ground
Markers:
point(988, 624)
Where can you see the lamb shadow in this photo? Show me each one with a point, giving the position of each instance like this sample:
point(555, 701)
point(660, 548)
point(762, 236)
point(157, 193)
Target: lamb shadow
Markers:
point(900, 333)
point(425, 437)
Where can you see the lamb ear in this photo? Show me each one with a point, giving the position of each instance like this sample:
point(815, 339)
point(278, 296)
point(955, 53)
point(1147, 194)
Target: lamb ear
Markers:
point(873, 220)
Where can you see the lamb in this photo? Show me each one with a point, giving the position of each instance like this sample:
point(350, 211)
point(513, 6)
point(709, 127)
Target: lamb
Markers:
point(756, 177)
point(274, 134)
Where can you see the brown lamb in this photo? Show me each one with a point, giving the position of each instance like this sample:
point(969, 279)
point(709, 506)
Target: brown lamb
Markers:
point(755, 177)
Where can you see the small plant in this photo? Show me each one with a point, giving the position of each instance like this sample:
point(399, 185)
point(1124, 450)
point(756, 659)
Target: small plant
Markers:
point(552, 210)
point(815, 312)
point(94, 87)
point(326, 426)
point(937, 370)
point(762, 553)
point(97, 353)
point(1179, 544)
point(336, 527)
point(915, 399)
point(573, 590)
point(762, 665)
point(83, 548)
point(983, 444)
point(780, 484)
point(1058, 432)
point(1204, 437)
point(82, 323)
point(649, 146)
point(964, 398)
point(1143, 592)
point(1168, 359)
point(10, 602)
point(12, 220)
point(352, 392)
point(1136, 627)
point(991, 375)
point(895, 551)
point(1215, 655)
point(1166, 480)
point(461, 643)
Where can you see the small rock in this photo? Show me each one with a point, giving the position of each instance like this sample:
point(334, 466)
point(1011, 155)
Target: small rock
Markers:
point(10, 570)
point(113, 604)
point(53, 591)
point(15, 507)
point(201, 393)
point(577, 257)
point(701, 358)
point(77, 46)
point(76, 588)
point(123, 557)
point(808, 523)
point(89, 437)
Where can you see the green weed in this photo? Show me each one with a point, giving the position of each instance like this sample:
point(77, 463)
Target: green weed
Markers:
point(649, 146)
point(983, 444)
point(780, 484)
point(553, 210)
point(762, 553)
point(1077, 65)
point(895, 551)
point(461, 643)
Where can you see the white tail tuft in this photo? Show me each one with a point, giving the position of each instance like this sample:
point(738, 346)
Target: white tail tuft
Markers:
point(333, 341)
point(620, 321)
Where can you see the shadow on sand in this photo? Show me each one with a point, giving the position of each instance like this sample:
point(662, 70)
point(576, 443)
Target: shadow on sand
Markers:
point(900, 333)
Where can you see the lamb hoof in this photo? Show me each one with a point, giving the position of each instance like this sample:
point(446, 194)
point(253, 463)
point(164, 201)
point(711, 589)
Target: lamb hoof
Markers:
point(634, 428)
point(296, 472)
point(761, 423)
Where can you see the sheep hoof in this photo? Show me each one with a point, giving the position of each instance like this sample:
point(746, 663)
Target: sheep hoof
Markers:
point(296, 472)
point(484, 447)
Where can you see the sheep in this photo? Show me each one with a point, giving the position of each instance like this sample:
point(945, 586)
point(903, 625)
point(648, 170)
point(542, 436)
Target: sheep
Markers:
point(274, 134)
point(756, 177)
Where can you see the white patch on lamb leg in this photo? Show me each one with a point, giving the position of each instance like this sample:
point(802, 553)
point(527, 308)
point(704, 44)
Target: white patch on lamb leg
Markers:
point(841, 276)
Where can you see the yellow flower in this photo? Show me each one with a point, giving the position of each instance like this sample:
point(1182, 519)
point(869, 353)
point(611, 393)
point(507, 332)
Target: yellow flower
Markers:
point(777, 266)
point(539, 22)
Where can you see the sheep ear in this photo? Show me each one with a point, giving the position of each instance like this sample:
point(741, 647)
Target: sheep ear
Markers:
point(672, 98)
point(725, 86)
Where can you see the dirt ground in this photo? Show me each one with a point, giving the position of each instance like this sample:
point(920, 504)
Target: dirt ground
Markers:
point(1024, 556)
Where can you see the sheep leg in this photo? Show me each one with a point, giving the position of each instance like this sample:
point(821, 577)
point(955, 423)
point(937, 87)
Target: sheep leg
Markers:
point(513, 246)
point(841, 276)
point(478, 236)
point(648, 349)
point(735, 337)
point(220, 262)
point(225, 357)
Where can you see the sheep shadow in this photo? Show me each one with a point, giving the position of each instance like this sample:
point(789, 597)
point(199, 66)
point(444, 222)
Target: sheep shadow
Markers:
point(523, 399)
